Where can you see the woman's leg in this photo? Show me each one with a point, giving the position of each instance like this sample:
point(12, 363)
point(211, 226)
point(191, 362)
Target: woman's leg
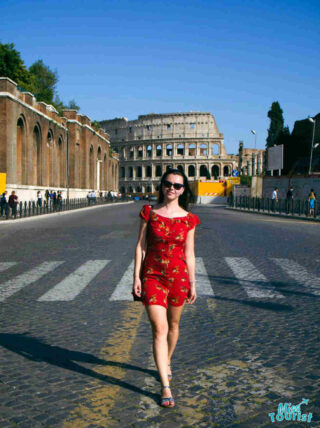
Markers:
point(174, 315)
point(158, 318)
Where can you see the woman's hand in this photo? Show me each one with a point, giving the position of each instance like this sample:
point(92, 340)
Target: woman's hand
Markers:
point(192, 295)
point(136, 289)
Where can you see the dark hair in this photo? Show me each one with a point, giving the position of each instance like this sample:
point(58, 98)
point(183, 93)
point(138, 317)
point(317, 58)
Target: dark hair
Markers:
point(186, 197)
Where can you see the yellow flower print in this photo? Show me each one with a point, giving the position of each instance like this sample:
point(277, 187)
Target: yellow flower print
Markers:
point(183, 280)
point(153, 299)
point(184, 289)
point(175, 299)
point(176, 269)
point(180, 236)
point(149, 271)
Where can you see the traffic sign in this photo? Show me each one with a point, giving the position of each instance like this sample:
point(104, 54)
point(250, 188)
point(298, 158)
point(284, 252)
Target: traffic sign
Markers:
point(235, 173)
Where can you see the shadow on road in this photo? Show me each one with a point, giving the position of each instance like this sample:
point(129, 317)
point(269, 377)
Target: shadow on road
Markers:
point(35, 350)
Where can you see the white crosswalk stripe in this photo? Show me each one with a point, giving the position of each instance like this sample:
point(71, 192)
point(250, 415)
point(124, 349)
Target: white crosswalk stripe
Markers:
point(74, 283)
point(124, 287)
point(299, 274)
point(6, 265)
point(251, 279)
point(12, 286)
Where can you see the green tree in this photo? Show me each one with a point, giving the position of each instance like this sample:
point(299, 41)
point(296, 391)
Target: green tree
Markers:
point(44, 81)
point(12, 66)
point(95, 125)
point(275, 114)
point(72, 105)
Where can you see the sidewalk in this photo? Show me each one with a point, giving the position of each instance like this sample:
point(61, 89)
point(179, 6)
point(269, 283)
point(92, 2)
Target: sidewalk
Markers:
point(42, 216)
point(271, 214)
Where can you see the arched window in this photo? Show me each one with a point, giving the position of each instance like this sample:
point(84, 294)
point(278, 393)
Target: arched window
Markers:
point(149, 151)
point(139, 172)
point(138, 189)
point(203, 171)
point(148, 171)
point(91, 168)
point(158, 171)
point(60, 163)
point(215, 171)
point(203, 149)
point(215, 149)
point(50, 159)
point(226, 171)
point(140, 152)
point(148, 189)
point(169, 167)
point(21, 153)
point(159, 150)
point(180, 150)
point(169, 149)
point(130, 172)
point(191, 171)
point(192, 150)
point(131, 152)
point(37, 156)
point(180, 168)
point(130, 189)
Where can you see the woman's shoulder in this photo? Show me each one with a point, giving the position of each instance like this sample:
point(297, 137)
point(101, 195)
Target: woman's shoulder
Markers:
point(193, 219)
point(145, 212)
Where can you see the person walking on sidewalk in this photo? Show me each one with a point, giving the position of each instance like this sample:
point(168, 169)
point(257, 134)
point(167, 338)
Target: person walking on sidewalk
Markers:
point(4, 204)
point(311, 201)
point(290, 199)
point(39, 199)
point(274, 198)
point(164, 272)
point(13, 202)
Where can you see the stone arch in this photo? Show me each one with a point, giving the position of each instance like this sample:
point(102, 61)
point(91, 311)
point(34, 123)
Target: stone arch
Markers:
point(158, 171)
point(169, 167)
point(180, 168)
point(60, 162)
point(203, 171)
point(37, 156)
point(215, 171)
point(215, 149)
point(226, 171)
point(138, 188)
point(50, 159)
point(139, 172)
point(149, 151)
point(99, 169)
point(130, 172)
point(91, 168)
point(192, 150)
point(131, 152)
point(21, 152)
point(203, 149)
point(191, 171)
point(140, 152)
point(180, 149)
point(148, 189)
point(130, 189)
point(159, 150)
point(169, 149)
point(148, 171)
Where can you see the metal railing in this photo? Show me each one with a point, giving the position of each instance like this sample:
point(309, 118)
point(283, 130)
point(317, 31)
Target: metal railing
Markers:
point(32, 208)
point(281, 206)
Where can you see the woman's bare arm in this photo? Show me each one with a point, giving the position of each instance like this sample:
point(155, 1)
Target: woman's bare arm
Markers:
point(139, 254)
point(191, 264)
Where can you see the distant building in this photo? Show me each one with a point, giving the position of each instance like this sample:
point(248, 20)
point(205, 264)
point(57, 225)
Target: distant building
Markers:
point(36, 143)
point(251, 161)
point(154, 142)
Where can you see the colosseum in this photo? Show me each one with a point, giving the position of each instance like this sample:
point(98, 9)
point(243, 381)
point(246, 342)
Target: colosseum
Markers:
point(153, 143)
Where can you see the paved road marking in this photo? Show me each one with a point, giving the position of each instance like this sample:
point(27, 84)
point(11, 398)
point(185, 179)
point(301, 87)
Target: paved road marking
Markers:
point(74, 283)
point(14, 285)
point(107, 377)
point(285, 220)
point(124, 287)
point(203, 283)
point(253, 281)
point(300, 274)
point(6, 265)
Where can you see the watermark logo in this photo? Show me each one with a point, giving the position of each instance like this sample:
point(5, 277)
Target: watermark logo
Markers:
point(288, 412)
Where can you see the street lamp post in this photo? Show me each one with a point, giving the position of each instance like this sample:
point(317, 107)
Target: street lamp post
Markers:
point(255, 137)
point(311, 151)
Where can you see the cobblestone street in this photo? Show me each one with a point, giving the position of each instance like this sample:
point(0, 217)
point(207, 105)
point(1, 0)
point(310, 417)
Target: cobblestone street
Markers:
point(76, 351)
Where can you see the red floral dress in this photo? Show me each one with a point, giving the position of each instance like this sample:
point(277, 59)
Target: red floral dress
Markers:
point(165, 278)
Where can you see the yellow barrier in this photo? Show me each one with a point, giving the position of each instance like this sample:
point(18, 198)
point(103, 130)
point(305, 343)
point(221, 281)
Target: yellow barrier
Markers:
point(3, 178)
point(214, 187)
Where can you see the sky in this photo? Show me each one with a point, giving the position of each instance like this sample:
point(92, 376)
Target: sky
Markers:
point(124, 58)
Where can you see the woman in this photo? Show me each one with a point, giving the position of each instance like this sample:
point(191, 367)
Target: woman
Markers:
point(164, 273)
point(311, 199)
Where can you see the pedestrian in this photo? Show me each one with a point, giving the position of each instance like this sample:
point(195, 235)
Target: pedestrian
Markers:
point(51, 198)
point(13, 202)
point(89, 197)
point(47, 196)
point(312, 201)
point(59, 200)
point(93, 197)
point(164, 272)
point(274, 198)
point(290, 199)
point(39, 199)
point(4, 204)
point(54, 200)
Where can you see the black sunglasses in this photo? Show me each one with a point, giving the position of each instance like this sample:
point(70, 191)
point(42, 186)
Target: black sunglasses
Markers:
point(168, 184)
